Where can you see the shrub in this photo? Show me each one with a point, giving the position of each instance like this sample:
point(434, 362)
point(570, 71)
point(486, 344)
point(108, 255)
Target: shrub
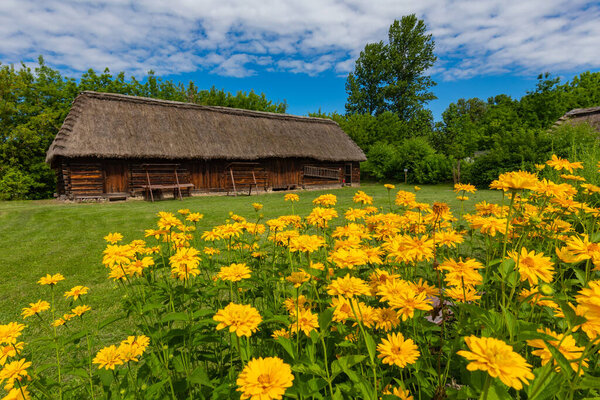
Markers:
point(15, 185)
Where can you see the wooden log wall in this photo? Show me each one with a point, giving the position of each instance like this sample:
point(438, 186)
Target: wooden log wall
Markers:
point(87, 177)
point(158, 175)
point(84, 178)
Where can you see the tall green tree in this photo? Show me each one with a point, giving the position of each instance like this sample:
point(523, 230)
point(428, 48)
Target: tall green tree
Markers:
point(392, 77)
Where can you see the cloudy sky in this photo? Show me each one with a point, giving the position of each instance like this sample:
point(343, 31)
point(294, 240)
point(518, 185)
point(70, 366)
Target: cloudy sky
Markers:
point(301, 51)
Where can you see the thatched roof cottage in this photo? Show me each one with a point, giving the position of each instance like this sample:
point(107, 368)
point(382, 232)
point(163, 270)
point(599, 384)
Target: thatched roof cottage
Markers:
point(116, 146)
point(590, 116)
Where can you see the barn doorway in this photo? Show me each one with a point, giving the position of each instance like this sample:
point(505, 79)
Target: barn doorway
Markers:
point(348, 174)
point(115, 177)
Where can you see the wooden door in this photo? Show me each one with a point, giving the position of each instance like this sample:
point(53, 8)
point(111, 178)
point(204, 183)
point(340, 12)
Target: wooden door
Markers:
point(115, 177)
point(348, 174)
point(284, 173)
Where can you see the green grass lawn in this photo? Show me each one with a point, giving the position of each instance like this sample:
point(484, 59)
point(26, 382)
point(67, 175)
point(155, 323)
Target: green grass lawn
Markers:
point(40, 237)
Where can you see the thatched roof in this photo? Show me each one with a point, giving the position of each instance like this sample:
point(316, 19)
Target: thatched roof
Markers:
point(109, 125)
point(580, 115)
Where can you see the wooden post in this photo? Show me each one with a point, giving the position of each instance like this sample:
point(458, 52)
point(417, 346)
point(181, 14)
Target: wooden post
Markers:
point(149, 185)
point(178, 186)
point(233, 182)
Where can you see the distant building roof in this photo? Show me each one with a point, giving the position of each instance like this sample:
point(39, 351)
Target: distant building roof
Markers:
point(590, 115)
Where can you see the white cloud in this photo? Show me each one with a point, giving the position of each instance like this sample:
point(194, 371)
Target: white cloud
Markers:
point(235, 37)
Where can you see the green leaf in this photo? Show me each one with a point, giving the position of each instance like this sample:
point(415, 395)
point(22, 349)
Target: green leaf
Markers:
point(287, 346)
point(200, 377)
point(175, 316)
point(325, 319)
point(511, 321)
point(568, 311)
point(498, 391)
point(109, 321)
point(343, 363)
point(371, 346)
point(589, 382)
point(506, 267)
point(565, 367)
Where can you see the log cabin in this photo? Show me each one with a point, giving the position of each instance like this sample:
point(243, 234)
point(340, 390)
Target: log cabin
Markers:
point(117, 146)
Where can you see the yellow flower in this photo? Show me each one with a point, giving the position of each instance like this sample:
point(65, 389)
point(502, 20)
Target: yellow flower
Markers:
point(462, 294)
point(137, 267)
point(185, 263)
point(417, 188)
point(497, 359)
point(408, 301)
point(10, 332)
point(404, 198)
point(35, 308)
point(108, 358)
point(362, 197)
point(464, 187)
point(304, 321)
point(113, 238)
point(194, 217)
point(560, 163)
point(133, 347)
point(462, 272)
point(242, 319)
point(306, 243)
point(264, 379)
point(257, 206)
point(117, 255)
point(10, 351)
point(517, 180)
point(389, 186)
point(386, 319)
point(77, 291)
point(79, 310)
point(280, 333)
point(20, 393)
point(348, 258)
point(234, 272)
point(325, 200)
point(51, 279)
point(565, 345)
point(533, 266)
point(321, 216)
point(588, 305)
point(348, 286)
point(291, 197)
point(15, 370)
point(395, 350)
point(303, 304)
point(462, 198)
point(298, 278)
point(402, 394)
point(406, 248)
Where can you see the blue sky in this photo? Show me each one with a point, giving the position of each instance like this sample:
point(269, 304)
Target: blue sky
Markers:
point(301, 51)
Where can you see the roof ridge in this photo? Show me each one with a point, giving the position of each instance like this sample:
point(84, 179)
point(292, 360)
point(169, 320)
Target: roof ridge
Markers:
point(221, 109)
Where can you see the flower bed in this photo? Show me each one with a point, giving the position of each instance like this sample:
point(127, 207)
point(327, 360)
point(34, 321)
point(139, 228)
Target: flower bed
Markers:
point(397, 300)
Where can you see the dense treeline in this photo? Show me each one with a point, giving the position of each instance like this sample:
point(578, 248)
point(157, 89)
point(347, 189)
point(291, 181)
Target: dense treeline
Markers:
point(486, 137)
point(34, 103)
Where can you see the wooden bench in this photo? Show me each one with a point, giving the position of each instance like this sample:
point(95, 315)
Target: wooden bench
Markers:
point(244, 175)
point(161, 177)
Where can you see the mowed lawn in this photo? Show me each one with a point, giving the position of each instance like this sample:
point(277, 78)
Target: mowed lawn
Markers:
point(40, 237)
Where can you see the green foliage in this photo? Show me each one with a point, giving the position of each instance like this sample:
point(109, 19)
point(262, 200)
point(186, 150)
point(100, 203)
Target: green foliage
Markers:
point(34, 104)
point(516, 134)
point(15, 185)
point(391, 77)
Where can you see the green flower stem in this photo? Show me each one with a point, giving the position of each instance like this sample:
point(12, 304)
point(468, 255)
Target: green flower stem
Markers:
point(486, 388)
